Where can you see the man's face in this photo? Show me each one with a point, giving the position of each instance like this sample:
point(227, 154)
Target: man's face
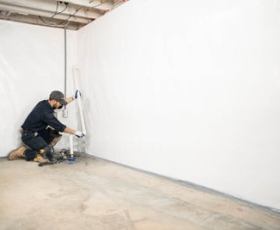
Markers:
point(57, 105)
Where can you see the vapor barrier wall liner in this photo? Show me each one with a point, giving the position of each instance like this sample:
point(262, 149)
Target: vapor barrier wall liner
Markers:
point(189, 90)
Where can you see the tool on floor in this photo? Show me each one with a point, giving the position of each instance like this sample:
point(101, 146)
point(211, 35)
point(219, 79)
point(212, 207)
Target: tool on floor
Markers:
point(59, 157)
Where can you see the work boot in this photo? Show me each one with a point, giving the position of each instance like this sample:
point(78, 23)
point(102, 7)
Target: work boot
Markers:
point(40, 159)
point(43, 160)
point(17, 153)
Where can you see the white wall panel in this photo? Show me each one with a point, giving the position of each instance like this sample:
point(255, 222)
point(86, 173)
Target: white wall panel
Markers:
point(31, 66)
point(190, 90)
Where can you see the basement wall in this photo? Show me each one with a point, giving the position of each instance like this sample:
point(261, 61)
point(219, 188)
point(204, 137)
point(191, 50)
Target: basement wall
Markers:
point(186, 89)
point(31, 66)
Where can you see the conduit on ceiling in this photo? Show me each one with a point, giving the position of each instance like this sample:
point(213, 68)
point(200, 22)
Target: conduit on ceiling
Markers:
point(69, 14)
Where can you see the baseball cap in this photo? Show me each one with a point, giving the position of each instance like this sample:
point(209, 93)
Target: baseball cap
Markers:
point(58, 96)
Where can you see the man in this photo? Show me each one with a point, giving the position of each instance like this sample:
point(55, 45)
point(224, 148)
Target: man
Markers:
point(40, 130)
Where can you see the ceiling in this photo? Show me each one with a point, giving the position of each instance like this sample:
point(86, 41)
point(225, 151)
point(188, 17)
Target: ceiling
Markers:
point(69, 14)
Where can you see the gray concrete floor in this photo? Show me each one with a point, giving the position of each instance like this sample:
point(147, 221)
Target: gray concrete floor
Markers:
point(96, 194)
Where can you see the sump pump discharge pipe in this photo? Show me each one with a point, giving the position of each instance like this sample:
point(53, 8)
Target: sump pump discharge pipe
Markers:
point(76, 75)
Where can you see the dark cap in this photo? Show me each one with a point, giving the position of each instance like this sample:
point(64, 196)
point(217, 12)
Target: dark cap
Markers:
point(58, 96)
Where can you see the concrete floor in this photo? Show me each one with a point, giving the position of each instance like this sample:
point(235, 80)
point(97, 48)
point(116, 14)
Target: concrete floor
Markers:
point(95, 194)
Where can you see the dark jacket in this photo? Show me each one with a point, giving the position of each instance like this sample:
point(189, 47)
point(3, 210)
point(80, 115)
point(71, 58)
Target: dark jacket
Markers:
point(42, 116)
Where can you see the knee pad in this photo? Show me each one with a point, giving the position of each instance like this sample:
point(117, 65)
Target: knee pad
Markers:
point(29, 154)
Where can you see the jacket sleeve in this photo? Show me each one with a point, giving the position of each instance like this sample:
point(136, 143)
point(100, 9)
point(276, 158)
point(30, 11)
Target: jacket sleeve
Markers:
point(52, 121)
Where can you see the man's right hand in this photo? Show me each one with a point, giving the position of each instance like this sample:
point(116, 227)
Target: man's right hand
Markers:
point(79, 134)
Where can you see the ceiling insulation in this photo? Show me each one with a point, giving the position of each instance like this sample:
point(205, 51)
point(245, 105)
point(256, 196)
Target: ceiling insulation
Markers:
point(69, 14)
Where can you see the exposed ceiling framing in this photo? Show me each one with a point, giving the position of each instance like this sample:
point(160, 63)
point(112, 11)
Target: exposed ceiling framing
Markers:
point(69, 14)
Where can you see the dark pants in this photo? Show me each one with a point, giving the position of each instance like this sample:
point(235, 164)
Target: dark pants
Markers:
point(38, 141)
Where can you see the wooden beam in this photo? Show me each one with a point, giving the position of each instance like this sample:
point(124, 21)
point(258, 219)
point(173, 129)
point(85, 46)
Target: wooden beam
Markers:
point(50, 7)
point(34, 20)
point(24, 11)
point(93, 4)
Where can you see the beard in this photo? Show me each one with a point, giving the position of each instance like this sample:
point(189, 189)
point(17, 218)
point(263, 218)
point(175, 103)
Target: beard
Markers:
point(60, 107)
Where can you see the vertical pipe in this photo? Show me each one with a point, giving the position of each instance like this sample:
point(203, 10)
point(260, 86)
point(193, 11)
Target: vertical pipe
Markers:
point(71, 146)
point(76, 74)
point(65, 113)
point(65, 62)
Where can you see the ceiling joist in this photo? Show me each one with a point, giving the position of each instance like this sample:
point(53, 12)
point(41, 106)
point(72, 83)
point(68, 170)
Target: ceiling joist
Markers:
point(69, 13)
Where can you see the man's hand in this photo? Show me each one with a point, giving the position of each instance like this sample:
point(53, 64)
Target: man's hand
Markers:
point(79, 134)
point(77, 94)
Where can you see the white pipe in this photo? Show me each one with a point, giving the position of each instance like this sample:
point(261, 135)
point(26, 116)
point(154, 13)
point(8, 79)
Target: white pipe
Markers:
point(81, 115)
point(75, 76)
point(71, 146)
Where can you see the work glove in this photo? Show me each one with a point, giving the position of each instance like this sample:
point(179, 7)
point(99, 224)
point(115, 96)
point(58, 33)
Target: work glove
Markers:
point(79, 134)
point(77, 94)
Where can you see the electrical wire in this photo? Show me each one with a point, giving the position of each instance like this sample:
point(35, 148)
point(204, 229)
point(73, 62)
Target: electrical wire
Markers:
point(53, 15)
point(59, 12)
point(63, 24)
point(55, 9)
point(72, 15)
